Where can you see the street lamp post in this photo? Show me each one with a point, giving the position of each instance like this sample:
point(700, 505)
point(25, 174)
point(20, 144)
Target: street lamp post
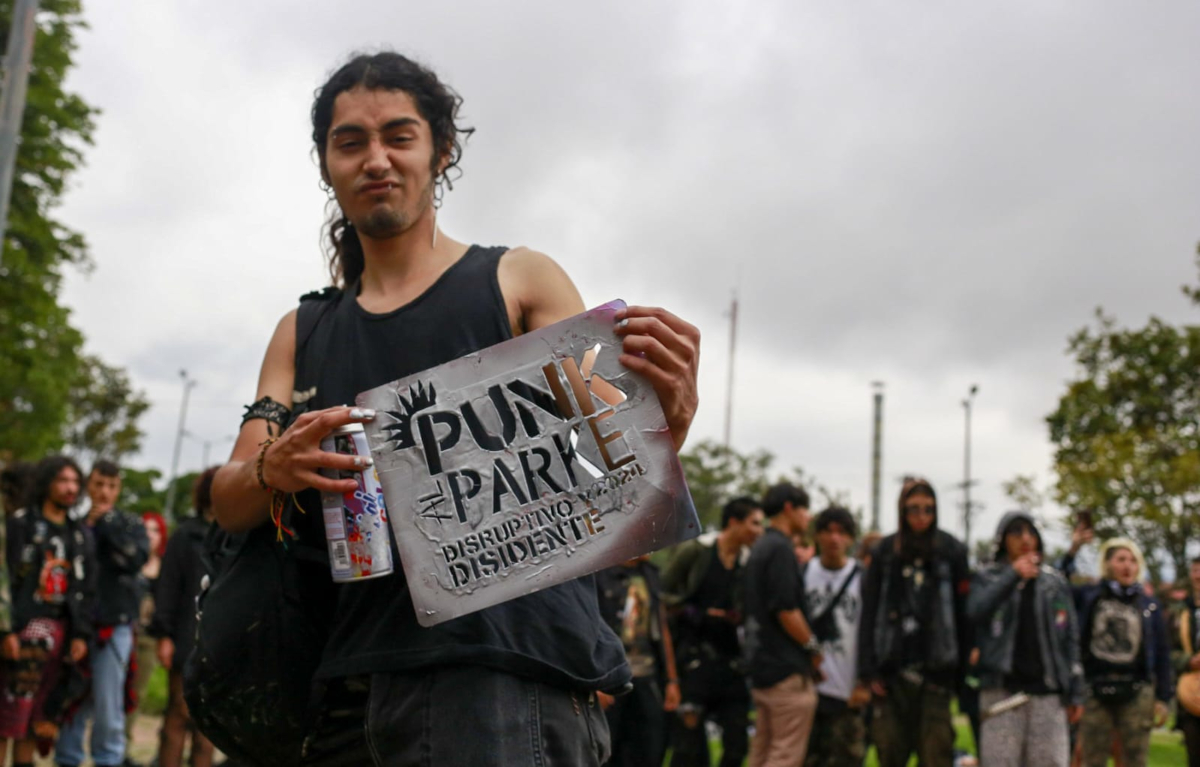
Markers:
point(967, 481)
point(876, 453)
point(188, 384)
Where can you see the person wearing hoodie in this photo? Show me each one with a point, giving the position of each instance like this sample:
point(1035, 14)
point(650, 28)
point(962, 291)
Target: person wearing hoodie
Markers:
point(1030, 676)
point(702, 587)
point(914, 638)
point(1126, 658)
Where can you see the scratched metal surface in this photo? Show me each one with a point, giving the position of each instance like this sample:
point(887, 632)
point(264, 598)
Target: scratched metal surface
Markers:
point(504, 474)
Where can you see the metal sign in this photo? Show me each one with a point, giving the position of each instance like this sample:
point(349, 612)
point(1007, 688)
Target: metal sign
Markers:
point(527, 464)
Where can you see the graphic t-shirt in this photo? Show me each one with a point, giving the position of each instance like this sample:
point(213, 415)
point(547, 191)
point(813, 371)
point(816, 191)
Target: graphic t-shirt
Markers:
point(1113, 644)
point(840, 653)
point(635, 627)
point(916, 606)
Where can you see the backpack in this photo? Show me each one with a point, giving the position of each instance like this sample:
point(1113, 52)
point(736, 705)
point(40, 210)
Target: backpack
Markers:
point(260, 630)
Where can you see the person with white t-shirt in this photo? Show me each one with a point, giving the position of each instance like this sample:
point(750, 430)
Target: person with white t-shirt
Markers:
point(833, 606)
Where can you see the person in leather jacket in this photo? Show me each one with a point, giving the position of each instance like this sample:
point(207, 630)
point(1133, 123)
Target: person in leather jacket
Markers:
point(1028, 638)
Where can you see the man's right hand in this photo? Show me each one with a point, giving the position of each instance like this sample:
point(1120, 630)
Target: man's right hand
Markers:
point(293, 462)
point(166, 652)
point(12, 647)
point(1081, 535)
point(1026, 566)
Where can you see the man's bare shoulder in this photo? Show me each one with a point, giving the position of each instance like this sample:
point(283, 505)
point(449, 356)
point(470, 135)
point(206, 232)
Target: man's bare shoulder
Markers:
point(537, 291)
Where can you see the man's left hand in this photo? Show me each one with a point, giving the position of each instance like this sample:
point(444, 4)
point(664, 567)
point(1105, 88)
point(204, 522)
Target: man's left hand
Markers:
point(78, 650)
point(666, 350)
point(1074, 714)
point(671, 697)
point(860, 697)
point(1160, 713)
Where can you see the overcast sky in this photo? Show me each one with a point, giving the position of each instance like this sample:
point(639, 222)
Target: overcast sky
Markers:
point(932, 196)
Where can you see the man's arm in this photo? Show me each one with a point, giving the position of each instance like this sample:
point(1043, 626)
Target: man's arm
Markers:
point(122, 541)
point(292, 462)
point(675, 575)
point(989, 588)
point(656, 343)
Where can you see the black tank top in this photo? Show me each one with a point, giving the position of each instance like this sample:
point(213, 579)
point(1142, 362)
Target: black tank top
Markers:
point(555, 635)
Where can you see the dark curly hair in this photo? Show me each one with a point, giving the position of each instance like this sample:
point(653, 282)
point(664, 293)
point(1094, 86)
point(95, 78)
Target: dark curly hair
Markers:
point(437, 102)
point(44, 475)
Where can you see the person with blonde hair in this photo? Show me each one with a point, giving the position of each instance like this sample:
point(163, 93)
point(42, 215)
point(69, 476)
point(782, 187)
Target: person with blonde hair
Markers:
point(1126, 658)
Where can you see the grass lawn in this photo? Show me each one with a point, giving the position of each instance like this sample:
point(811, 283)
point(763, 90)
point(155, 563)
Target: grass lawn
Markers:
point(1166, 747)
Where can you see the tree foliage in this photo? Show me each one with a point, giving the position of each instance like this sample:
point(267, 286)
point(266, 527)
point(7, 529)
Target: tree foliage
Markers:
point(103, 413)
point(1127, 435)
point(43, 366)
point(715, 474)
point(1193, 291)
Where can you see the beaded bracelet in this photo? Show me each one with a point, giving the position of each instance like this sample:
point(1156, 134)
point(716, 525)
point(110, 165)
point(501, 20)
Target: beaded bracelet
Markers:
point(258, 464)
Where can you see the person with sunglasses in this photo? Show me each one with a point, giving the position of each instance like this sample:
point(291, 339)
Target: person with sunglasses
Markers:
point(914, 637)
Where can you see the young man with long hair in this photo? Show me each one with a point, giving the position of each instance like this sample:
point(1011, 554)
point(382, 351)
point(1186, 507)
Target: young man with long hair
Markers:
point(388, 138)
point(47, 554)
point(914, 639)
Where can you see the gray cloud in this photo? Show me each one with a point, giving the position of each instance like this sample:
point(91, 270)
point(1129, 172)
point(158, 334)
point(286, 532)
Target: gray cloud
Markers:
point(932, 196)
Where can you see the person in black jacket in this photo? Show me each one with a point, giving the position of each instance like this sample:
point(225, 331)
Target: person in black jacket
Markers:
point(121, 547)
point(702, 586)
point(914, 639)
point(1126, 658)
point(48, 555)
point(175, 623)
point(630, 602)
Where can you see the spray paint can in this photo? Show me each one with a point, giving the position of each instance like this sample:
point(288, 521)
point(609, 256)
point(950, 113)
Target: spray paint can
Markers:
point(356, 523)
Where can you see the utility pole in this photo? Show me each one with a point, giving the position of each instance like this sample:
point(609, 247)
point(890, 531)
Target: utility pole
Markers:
point(967, 481)
point(188, 384)
point(876, 454)
point(733, 311)
point(12, 100)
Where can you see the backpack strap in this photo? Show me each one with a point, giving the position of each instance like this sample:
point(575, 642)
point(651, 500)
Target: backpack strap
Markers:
point(841, 592)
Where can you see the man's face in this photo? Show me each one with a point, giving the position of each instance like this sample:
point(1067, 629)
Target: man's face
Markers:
point(833, 541)
point(1194, 577)
point(64, 488)
point(1019, 540)
point(746, 531)
point(798, 514)
point(103, 491)
point(919, 511)
point(378, 158)
point(1123, 566)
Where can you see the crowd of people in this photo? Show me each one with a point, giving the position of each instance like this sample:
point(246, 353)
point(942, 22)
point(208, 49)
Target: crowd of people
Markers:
point(823, 654)
point(93, 597)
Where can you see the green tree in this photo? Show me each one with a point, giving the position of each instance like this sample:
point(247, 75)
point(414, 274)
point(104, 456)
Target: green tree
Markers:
point(716, 473)
point(41, 348)
point(137, 490)
point(1193, 291)
point(103, 412)
point(1127, 435)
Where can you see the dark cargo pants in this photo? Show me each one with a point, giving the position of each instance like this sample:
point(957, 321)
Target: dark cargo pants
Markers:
point(913, 718)
point(452, 716)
